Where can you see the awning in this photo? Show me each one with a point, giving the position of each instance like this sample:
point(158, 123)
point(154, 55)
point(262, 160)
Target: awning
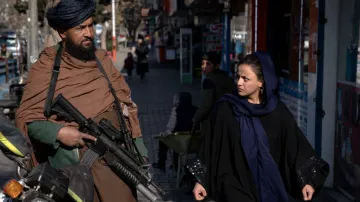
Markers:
point(211, 6)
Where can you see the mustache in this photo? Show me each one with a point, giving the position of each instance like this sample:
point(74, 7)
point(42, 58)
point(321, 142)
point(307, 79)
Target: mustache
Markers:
point(88, 39)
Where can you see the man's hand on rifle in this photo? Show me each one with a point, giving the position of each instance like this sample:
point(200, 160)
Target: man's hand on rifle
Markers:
point(72, 137)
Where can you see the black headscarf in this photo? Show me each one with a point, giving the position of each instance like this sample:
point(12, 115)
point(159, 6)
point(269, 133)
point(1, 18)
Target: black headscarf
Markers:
point(70, 13)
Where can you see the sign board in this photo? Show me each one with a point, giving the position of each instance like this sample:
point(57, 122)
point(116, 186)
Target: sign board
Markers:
point(294, 95)
point(186, 68)
point(213, 34)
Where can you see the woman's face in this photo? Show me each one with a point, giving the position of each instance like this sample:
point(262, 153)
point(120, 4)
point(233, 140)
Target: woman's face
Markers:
point(248, 84)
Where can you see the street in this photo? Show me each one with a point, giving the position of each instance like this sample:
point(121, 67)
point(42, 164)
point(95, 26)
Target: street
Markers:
point(303, 54)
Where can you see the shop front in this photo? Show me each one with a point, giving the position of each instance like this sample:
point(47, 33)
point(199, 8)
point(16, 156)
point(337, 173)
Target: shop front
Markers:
point(288, 30)
point(347, 135)
point(315, 47)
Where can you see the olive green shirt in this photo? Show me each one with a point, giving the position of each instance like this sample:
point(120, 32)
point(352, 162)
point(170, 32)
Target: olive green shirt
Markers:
point(46, 132)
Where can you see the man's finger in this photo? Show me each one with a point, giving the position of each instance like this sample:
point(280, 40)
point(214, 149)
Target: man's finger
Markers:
point(89, 137)
point(81, 142)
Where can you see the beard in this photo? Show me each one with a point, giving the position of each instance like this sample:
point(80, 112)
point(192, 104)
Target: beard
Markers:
point(80, 52)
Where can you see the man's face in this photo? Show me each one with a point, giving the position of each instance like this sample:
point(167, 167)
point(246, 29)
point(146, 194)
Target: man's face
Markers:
point(207, 66)
point(83, 34)
point(79, 40)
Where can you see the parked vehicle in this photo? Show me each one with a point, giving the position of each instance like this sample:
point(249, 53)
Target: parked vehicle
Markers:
point(10, 96)
point(42, 183)
point(12, 41)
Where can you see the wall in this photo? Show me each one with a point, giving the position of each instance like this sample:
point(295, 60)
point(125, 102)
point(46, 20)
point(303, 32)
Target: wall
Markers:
point(330, 57)
point(345, 25)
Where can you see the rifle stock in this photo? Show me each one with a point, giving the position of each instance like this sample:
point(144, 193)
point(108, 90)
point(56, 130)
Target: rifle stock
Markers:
point(122, 161)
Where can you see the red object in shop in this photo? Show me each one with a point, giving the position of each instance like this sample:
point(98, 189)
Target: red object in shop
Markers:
point(166, 6)
point(262, 13)
point(161, 54)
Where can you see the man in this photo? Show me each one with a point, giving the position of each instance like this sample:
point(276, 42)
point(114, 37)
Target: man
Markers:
point(5, 53)
point(215, 85)
point(81, 82)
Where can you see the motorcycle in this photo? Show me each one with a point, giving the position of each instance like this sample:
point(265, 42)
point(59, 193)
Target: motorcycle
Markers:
point(42, 183)
point(46, 184)
point(39, 186)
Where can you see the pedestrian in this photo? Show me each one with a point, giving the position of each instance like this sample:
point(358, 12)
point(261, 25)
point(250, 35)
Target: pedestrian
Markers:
point(215, 85)
point(129, 65)
point(141, 51)
point(5, 53)
point(180, 120)
point(254, 150)
point(83, 78)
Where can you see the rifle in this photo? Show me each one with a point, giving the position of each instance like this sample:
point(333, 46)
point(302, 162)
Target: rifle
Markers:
point(122, 162)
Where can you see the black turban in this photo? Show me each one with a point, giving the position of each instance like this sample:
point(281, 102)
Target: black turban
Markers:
point(70, 13)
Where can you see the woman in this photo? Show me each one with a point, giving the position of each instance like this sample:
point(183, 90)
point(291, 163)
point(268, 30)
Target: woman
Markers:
point(141, 52)
point(254, 150)
point(129, 65)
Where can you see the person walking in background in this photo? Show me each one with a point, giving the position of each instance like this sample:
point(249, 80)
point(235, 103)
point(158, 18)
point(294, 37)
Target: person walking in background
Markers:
point(129, 65)
point(141, 51)
point(5, 53)
point(216, 84)
point(180, 120)
point(254, 150)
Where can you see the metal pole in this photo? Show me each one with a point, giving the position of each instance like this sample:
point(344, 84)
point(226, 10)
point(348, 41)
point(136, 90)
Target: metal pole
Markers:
point(256, 25)
point(226, 38)
point(113, 30)
point(300, 55)
point(28, 40)
point(6, 70)
point(34, 51)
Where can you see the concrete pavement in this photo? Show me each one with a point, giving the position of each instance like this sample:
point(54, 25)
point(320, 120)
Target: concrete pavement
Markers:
point(154, 97)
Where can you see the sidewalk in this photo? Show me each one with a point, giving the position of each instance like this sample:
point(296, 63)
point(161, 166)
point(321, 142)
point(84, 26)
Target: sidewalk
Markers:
point(154, 97)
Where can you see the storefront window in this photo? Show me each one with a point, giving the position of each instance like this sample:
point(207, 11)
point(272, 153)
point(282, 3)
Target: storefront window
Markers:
point(347, 153)
point(305, 41)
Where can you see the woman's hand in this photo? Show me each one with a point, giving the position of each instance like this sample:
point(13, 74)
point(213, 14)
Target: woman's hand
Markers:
point(199, 192)
point(308, 192)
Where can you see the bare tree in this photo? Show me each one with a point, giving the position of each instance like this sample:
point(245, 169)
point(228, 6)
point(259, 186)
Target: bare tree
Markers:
point(131, 15)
